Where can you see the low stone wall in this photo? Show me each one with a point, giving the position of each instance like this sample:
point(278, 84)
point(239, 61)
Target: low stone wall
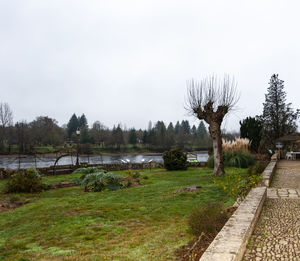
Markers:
point(230, 243)
point(124, 166)
point(268, 173)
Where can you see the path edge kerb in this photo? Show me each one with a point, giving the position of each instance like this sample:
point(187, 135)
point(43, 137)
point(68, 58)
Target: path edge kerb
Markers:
point(269, 171)
point(230, 243)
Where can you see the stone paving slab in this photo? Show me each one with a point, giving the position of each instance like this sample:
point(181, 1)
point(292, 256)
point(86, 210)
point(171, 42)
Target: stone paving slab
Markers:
point(283, 193)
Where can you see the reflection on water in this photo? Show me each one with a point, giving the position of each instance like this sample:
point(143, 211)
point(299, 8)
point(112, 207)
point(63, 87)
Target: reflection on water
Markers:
point(42, 162)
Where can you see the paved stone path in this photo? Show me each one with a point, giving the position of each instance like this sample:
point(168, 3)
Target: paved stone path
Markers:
point(277, 233)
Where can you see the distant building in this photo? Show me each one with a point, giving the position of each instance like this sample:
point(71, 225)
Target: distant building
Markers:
point(192, 157)
point(291, 143)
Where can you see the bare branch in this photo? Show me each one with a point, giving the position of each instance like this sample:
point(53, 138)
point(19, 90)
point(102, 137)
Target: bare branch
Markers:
point(210, 93)
point(6, 115)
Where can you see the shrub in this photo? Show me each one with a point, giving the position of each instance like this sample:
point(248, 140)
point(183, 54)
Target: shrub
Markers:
point(210, 161)
point(237, 186)
point(175, 159)
point(4, 174)
point(236, 159)
point(25, 181)
point(257, 168)
point(99, 181)
point(207, 219)
point(88, 170)
point(133, 174)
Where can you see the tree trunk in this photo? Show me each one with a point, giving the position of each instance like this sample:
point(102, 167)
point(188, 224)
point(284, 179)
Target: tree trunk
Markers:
point(215, 133)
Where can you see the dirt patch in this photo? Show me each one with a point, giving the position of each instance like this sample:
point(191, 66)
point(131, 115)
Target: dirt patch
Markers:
point(74, 212)
point(12, 202)
point(63, 184)
point(195, 248)
point(192, 188)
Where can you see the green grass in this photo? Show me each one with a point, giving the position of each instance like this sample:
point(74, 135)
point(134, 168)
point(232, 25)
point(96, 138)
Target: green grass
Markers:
point(141, 223)
point(44, 149)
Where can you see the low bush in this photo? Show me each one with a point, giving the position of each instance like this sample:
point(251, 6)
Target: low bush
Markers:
point(209, 218)
point(133, 174)
point(28, 181)
point(96, 182)
point(210, 161)
point(236, 159)
point(237, 186)
point(88, 170)
point(5, 174)
point(257, 168)
point(97, 179)
point(175, 159)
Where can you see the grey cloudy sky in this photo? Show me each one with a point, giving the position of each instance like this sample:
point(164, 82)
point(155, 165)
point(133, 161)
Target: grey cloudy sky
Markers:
point(128, 61)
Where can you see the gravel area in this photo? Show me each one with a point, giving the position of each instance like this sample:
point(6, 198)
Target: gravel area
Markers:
point(277, 233)
point(287, 175)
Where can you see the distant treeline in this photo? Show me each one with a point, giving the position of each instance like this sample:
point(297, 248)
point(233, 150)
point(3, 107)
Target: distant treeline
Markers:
point(23, 137)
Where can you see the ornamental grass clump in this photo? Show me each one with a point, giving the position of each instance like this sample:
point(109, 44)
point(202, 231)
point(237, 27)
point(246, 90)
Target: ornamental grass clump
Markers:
point(95, 179)
point(235, 154)
point(27, 181)
point(236, 159)
point(85, 171)
point(239, 144)
point(95, 182)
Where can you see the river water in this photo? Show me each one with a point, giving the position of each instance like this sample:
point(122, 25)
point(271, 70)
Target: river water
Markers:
point(42, 161)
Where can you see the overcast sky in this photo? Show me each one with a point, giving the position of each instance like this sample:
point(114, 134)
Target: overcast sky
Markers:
point(128, 61)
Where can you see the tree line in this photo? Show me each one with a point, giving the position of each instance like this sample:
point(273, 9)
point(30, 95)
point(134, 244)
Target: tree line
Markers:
point(24, 137)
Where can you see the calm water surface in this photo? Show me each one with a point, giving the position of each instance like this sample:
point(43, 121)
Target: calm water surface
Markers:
point(42, 162)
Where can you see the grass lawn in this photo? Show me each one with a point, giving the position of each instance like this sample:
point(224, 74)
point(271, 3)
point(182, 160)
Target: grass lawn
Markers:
point(141, 223)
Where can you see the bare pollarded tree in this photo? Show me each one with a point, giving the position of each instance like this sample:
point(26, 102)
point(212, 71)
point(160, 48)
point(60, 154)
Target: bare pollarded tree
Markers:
point(210, 100)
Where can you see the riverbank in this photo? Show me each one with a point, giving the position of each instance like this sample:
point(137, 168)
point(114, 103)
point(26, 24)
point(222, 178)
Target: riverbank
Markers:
point(93, 150)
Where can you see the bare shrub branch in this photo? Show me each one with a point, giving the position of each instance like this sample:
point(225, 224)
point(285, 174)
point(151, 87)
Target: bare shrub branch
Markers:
point(6, 115)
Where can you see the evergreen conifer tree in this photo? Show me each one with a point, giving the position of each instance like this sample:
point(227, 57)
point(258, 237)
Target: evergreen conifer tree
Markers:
point(202, 132)
point(278, 118)
point(72, 125)
point(132, 137)
point(82, 121)
point(251, 128)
